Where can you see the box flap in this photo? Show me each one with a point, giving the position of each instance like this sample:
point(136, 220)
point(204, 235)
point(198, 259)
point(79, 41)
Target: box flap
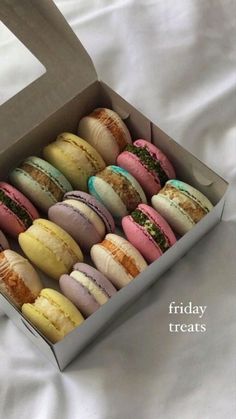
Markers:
point(44, 31)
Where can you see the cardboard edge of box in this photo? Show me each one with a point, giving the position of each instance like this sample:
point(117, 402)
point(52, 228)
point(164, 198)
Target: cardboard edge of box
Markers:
point(44, 127)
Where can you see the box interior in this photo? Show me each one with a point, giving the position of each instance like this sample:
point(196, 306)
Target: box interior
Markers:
point(99, 94)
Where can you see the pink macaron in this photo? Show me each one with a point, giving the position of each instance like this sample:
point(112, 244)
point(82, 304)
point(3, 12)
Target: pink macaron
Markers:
point(16, 211)
point(148, 232)
point(149, 165)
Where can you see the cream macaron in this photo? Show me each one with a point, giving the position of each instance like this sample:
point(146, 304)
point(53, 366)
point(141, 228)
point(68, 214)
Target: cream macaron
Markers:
point(181, 205)
point(105, 131)
point(118, 260)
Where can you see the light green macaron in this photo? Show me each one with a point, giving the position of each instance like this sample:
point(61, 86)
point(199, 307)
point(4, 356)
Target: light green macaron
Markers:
point(41, 182)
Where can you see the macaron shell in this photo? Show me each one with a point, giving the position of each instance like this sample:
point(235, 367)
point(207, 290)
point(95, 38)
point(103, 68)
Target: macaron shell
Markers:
point(50, 248)
point(96, 205)
point(42, 323)
point(3, 242)
point(103, 128)
point(165, 162)
point(102, 191)
point(174, 215)
point(99, 137)
point(32, 189)
point(170, 205)
point(76, 224)
point(192, 192)
point(39, 192)
point(18, 279)
point(55, 308)
point(106, 264)
point(42, 256)
point(140, 239)
point(79, 295)
point(98, 277)
point(159, 220)
point(9, 221)
point(132, 180)
point(84, 160)
point(113, 269)
point(146, 179)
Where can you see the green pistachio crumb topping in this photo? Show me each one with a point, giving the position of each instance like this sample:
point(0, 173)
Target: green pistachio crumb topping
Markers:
point(16, 209)
point(142, 219)
point(149, 161)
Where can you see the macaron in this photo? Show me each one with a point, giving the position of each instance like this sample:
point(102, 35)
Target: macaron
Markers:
point(75, 158)
point(50, 248)
point(16, 211)
point(18, 279)
point(118, 190)
point(83, 217)
point(53, 314)
point(42, 183)
point(149, 165)
point(105, 131)
point(148, 232)
point(181, 205)
point(87, 288)
point(118, 260)
point(3, 242)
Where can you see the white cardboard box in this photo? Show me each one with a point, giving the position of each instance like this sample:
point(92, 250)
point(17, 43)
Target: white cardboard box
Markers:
point(54, 103)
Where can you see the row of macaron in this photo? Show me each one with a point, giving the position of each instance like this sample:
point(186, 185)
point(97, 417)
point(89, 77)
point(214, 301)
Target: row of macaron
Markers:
point(86, 218)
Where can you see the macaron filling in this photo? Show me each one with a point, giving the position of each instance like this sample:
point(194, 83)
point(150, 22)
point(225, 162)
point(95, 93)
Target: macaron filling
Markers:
point(64, 252)
point(112, 125)
point(95, 208)
point(121, 257)
point(192, 207)
point(177, 185)
point(122, 186)
point(16, 208)
point(152, 228)
point(14, 284)
point(44, 179)
point(149, 161)
point(91, 286)
point(91, 159)
point(52, 311)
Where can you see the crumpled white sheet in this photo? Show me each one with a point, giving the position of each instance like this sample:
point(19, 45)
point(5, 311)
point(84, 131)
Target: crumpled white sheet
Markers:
point(175, 61)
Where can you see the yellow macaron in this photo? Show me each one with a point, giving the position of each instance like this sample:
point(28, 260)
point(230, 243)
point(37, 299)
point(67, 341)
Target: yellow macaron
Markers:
point(53, 314)
point(75, 158)
point(50, 248)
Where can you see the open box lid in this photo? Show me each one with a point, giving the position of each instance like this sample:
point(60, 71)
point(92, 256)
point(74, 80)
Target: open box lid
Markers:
point(69, 69)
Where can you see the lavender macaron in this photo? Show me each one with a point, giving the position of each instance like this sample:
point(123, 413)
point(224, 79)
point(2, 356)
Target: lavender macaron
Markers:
point(83, 217)
point(87, 288)
point(3, 242)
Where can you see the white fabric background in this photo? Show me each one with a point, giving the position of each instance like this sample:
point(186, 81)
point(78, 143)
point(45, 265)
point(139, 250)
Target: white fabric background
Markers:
point(175, 61)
